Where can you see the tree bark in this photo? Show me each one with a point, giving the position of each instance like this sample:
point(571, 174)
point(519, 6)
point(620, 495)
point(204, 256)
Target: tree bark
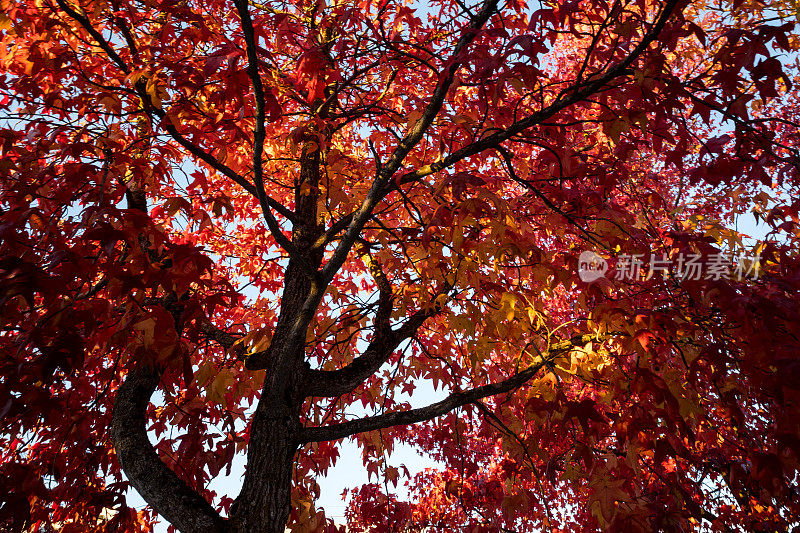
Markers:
point(264, 503)
point(160, 487)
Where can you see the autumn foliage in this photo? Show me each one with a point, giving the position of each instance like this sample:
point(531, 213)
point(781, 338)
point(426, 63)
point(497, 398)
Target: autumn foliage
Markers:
point(232, 227)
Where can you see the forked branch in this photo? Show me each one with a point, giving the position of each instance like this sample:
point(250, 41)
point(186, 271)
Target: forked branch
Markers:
point(259, 134)
point(155, 112)
point(574, 94)
point(454, 401)
point(332, 383)
point(379, 186)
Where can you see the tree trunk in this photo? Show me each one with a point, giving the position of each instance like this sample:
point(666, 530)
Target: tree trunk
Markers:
point(265, 501)
point(264, 504)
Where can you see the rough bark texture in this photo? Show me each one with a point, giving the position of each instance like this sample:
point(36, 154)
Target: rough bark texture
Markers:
point(158, 485)
point(169, 495)
point(264, 503)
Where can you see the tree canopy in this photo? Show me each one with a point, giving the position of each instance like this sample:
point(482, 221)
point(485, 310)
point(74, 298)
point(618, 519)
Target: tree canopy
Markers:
point(253, 228)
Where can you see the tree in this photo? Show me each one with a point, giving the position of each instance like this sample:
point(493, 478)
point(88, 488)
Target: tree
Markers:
point(225, 224)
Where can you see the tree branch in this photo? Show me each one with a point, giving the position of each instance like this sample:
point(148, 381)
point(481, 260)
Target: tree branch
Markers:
point(222, 337)
point(414, 135)
point(332, 383)
point(455, 400)
point(140, 87)
point(84, 21)
point(378, 189)
point(259, 133)
point(578, 92)
point(160, 487)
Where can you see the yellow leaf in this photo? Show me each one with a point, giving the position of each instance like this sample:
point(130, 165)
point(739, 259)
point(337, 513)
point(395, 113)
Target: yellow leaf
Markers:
point(5, 22)
point(305, 189)
point(155, 92)
point(507, 303)
point(36, 221)
point(544, 388)
point(204, 374)
point(222, 383)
